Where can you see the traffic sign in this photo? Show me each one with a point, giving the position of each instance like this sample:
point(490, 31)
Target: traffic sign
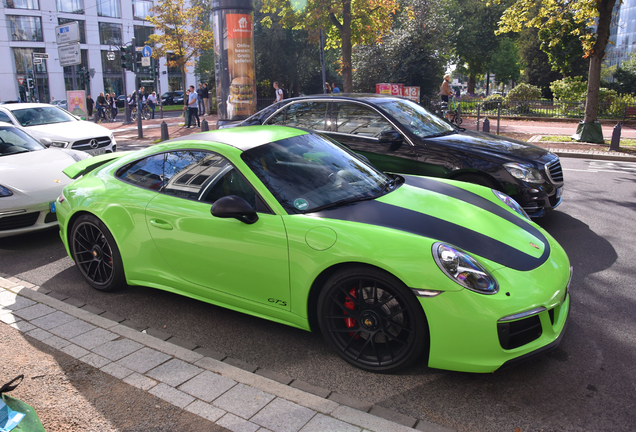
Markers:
point(145, 61)
point(37, 61)
point(69, 54)
point(21, 81)
point(67, 33)
point(40, 55)
point(146, 51)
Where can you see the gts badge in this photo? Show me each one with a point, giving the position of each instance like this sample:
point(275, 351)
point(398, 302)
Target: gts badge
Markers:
point(277, 302)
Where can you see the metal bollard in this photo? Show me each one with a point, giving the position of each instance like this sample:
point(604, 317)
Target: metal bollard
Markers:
point(616, 138)
point(486, 127)
point(204, 126)
point(96, 116)
point(498, 116)
point(164, 131)
point(478, 110)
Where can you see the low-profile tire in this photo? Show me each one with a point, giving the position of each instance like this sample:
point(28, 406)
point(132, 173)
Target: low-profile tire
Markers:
point(478, 179)
point(372, 319)
point(96, 254)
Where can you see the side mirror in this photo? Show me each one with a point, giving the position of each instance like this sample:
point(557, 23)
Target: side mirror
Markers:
point(235, 207)
point(391, 137)
point(46, 141)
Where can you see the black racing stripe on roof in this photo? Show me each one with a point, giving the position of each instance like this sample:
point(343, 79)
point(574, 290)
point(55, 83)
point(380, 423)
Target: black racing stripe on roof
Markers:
point(390, 216)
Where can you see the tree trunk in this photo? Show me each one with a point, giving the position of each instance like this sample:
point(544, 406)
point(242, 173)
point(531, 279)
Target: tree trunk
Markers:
point(471, 85)
point(604, 8)
point(345, 33)
point(183, 78)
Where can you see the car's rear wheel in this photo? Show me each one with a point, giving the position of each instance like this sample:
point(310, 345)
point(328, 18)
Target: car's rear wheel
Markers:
point(372, 319)
point(96, 254)
point(478, 179)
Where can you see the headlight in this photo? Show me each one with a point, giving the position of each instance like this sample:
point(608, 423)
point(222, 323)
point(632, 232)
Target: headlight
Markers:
point(464, 269)
point(4, 192)
point(62, 144)
point(511, 203)
point(524, 172)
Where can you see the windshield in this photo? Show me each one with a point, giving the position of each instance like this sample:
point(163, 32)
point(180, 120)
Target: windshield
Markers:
point(13, 141)
point(42, 116)
point(416, 119)
point(308, 172)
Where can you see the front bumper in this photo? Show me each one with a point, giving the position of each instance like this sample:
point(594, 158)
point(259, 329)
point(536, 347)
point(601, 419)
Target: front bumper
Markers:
point(467, 333)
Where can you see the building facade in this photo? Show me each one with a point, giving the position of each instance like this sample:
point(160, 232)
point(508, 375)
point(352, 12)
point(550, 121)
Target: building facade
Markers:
point(104, 26)
point(622, 33)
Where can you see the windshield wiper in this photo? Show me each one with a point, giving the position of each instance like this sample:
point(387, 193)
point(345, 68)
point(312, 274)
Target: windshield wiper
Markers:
point(441, 134)
point(341, 202)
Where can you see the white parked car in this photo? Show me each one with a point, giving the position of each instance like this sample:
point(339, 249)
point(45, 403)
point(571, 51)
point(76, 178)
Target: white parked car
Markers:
point(31, 179)
point(63, 129)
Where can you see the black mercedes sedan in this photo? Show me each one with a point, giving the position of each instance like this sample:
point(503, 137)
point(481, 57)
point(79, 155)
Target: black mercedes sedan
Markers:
point(399, 136)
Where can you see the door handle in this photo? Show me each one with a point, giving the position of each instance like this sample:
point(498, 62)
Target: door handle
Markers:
point(160, 224)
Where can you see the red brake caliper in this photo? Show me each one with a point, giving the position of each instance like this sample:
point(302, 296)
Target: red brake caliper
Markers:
point(349, 304)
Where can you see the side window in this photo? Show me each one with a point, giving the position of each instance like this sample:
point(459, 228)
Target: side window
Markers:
point(188, 171)
point(358, 119)
point(5, 118)
point(147, 173)
point(230, 182)
point(308, 115)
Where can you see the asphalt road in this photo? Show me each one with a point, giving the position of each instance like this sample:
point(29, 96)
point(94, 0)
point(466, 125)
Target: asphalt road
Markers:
point(588, 383)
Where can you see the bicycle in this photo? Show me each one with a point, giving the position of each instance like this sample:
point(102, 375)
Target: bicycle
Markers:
point(145, 112)
point(452, 115)
point(105, 115)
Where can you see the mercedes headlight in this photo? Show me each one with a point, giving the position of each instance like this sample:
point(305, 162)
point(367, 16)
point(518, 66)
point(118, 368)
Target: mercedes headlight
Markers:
point(62, 144)
point(524, 172)
point(4, 192)
point(511, 203)
point(464, 269)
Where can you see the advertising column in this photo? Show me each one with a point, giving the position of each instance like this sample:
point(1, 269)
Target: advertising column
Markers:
point(233, 23)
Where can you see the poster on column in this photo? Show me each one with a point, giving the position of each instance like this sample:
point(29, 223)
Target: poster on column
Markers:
point(76, 102)
point(241, 100)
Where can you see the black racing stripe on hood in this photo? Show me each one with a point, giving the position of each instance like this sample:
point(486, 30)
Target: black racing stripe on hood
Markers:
point(390, 216)
point(474, 199)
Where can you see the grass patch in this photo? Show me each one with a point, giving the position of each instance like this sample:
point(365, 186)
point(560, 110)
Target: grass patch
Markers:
point(626, 142)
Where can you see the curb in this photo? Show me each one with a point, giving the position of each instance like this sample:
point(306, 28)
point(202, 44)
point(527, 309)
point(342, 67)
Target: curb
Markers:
point(191, 378)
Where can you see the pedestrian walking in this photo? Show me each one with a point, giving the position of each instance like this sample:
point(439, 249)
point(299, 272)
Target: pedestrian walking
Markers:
point(152, 103)
point(278, 91)
point(205, 96)
point(200, 98)
point(115, 110)
point(327, 88)
point(193, 108)
point(445, 90)
point(89, 105)
point(101, 103)
point(186, 99)
point(335, 88)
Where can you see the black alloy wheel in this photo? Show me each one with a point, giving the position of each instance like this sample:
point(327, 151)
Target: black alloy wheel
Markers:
point(372, 320)
point(96, 254)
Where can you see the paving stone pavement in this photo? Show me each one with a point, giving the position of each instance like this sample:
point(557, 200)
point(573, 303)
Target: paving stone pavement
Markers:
point(230, 396)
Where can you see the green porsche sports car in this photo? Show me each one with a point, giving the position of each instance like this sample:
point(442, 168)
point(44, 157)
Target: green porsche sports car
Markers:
point(287, 225)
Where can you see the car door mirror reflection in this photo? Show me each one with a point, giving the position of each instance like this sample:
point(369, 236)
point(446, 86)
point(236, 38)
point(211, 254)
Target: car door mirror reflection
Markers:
point(235, 207)
point(391, 137)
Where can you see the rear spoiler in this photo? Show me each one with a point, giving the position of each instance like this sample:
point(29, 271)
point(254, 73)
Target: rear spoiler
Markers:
point(85, 166)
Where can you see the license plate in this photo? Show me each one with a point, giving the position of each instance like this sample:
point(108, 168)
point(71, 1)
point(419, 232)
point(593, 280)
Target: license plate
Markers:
point(560, 192)
point(96, 152)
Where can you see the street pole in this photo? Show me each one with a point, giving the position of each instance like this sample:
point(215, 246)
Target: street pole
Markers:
point(35, 79)
point(140, 131)
point(322, 61)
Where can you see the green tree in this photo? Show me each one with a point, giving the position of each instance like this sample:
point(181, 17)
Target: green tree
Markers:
point(414, 52)
point(505, 62)
point(552, 13)
point(473, 36)
point(345, 22)
point(182, 31)
point(625, 77)
point(535, 63)
point(561, 42)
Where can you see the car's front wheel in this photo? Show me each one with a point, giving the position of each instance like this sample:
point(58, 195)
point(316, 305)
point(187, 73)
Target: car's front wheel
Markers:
point(96, 254)
point(372, 319)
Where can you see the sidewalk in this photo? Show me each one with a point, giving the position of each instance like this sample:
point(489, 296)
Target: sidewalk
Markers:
point(230, 397)
point(127, 135)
